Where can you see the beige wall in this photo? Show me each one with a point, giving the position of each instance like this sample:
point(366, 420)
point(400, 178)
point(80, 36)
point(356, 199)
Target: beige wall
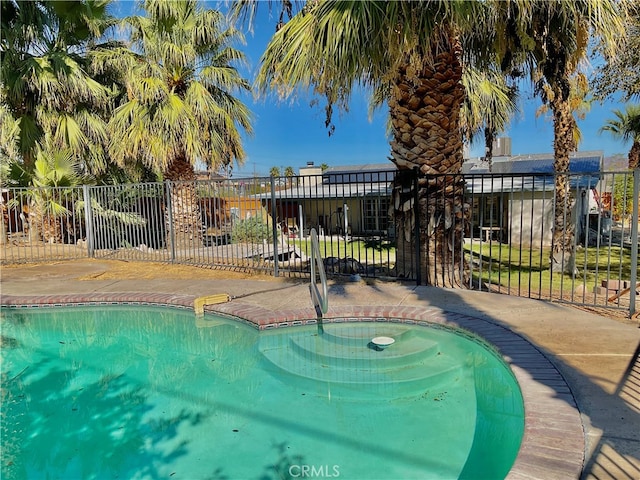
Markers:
point(312, 209)
point(530, 218)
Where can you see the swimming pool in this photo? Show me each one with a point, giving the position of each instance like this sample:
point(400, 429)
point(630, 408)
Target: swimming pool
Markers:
point(100, 392)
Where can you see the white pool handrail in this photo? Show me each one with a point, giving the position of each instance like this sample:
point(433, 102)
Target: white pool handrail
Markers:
point(320, 300)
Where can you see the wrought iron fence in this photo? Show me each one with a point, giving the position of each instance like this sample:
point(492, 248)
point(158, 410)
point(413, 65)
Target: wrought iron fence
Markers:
point(264, 224)
point(511, 237)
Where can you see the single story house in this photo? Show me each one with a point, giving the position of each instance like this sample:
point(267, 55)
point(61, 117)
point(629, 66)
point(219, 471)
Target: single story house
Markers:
point(513, 203)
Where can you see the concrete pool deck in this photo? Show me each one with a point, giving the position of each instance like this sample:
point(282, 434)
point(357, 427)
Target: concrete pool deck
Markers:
point(574, 359)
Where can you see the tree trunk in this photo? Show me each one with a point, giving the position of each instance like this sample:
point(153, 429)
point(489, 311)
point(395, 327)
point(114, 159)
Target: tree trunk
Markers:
point(185, 208)
point(51, 229)
point(43, 225)
point(4, 236)
point(489, 137)
point(425, 108)
point(562, 250)
point(634, 156)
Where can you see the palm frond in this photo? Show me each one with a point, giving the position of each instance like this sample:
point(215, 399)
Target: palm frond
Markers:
point(336, 45)
point(626, 126)
point(490, 102)
point(126, 218)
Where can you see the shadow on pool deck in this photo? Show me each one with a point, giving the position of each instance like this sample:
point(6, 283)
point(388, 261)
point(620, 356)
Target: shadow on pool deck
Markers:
point(597, 356)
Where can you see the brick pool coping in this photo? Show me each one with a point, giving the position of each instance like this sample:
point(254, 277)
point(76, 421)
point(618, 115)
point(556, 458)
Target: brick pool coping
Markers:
point(553, 443)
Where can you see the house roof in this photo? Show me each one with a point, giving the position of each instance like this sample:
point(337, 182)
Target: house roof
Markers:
point(346, 181)
point(332, 190)
point(579, 162)
point(531, 172)
point(520, 173)
point(376, 167)
point(370, 172)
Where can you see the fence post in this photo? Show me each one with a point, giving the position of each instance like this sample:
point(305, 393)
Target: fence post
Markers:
point(88, 220)
point(171, 232)
point(634, 242)
point(274, 227)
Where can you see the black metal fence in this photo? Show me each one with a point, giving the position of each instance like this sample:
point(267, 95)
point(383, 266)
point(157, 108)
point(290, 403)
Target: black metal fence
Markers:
point(264, 224)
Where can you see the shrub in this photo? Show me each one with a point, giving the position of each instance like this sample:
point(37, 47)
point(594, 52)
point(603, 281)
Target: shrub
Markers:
point(253, 229)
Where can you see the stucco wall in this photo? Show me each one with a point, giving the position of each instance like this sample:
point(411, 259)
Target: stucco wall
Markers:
point(530, 218)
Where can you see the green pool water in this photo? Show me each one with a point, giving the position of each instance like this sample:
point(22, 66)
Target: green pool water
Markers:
point(149, 393)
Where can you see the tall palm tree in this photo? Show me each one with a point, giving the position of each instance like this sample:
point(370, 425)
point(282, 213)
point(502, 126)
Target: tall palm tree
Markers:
point(552, 42)
point(180, 106)
point(411, 55)
point(45, 78)
point(626, 126)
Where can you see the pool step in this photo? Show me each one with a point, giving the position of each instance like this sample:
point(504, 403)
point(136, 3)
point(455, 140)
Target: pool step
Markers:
point(345, 359)
point(359, 352)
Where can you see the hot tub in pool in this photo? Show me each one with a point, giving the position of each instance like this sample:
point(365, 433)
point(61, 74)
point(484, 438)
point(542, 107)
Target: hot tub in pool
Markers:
point(151, 392)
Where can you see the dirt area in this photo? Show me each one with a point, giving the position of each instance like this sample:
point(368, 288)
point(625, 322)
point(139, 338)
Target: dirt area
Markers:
point(125, 270)
point(144, 270)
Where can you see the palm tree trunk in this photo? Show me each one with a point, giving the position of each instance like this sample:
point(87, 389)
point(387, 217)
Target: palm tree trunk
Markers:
point(4, 223)
point(425, 108)
point(186, 215)
point(489, 137)
point(634, 156)
point(51, 229)
point(562, 250)
point(43, 226)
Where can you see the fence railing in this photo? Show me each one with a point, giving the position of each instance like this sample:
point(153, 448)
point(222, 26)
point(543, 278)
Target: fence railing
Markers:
point(511, 240)
point(265, 223)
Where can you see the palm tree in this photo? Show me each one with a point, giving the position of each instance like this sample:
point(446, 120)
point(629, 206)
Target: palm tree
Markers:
point(289, 173)
point(180, 106)
point(626, 126)
point(552, 42)
point(489, 105)
point(410, 55)
point(51, 180)
point(274, 172)
point(46, 84)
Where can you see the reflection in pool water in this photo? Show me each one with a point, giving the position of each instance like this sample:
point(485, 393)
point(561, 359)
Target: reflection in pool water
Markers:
point(150, 392)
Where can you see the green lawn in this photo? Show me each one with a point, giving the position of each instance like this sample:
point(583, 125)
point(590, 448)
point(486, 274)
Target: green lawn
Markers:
point(522, 271)
point(527, 269)
point(368, 252)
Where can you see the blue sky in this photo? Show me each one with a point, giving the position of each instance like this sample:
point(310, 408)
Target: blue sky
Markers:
point(293, 133)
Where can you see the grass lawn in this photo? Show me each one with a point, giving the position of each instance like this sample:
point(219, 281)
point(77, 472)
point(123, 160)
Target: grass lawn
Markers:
point(521, 271)
point(527, 270)
point(367, 252)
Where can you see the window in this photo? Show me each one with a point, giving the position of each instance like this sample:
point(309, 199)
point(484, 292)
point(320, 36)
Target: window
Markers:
point(375, 214)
